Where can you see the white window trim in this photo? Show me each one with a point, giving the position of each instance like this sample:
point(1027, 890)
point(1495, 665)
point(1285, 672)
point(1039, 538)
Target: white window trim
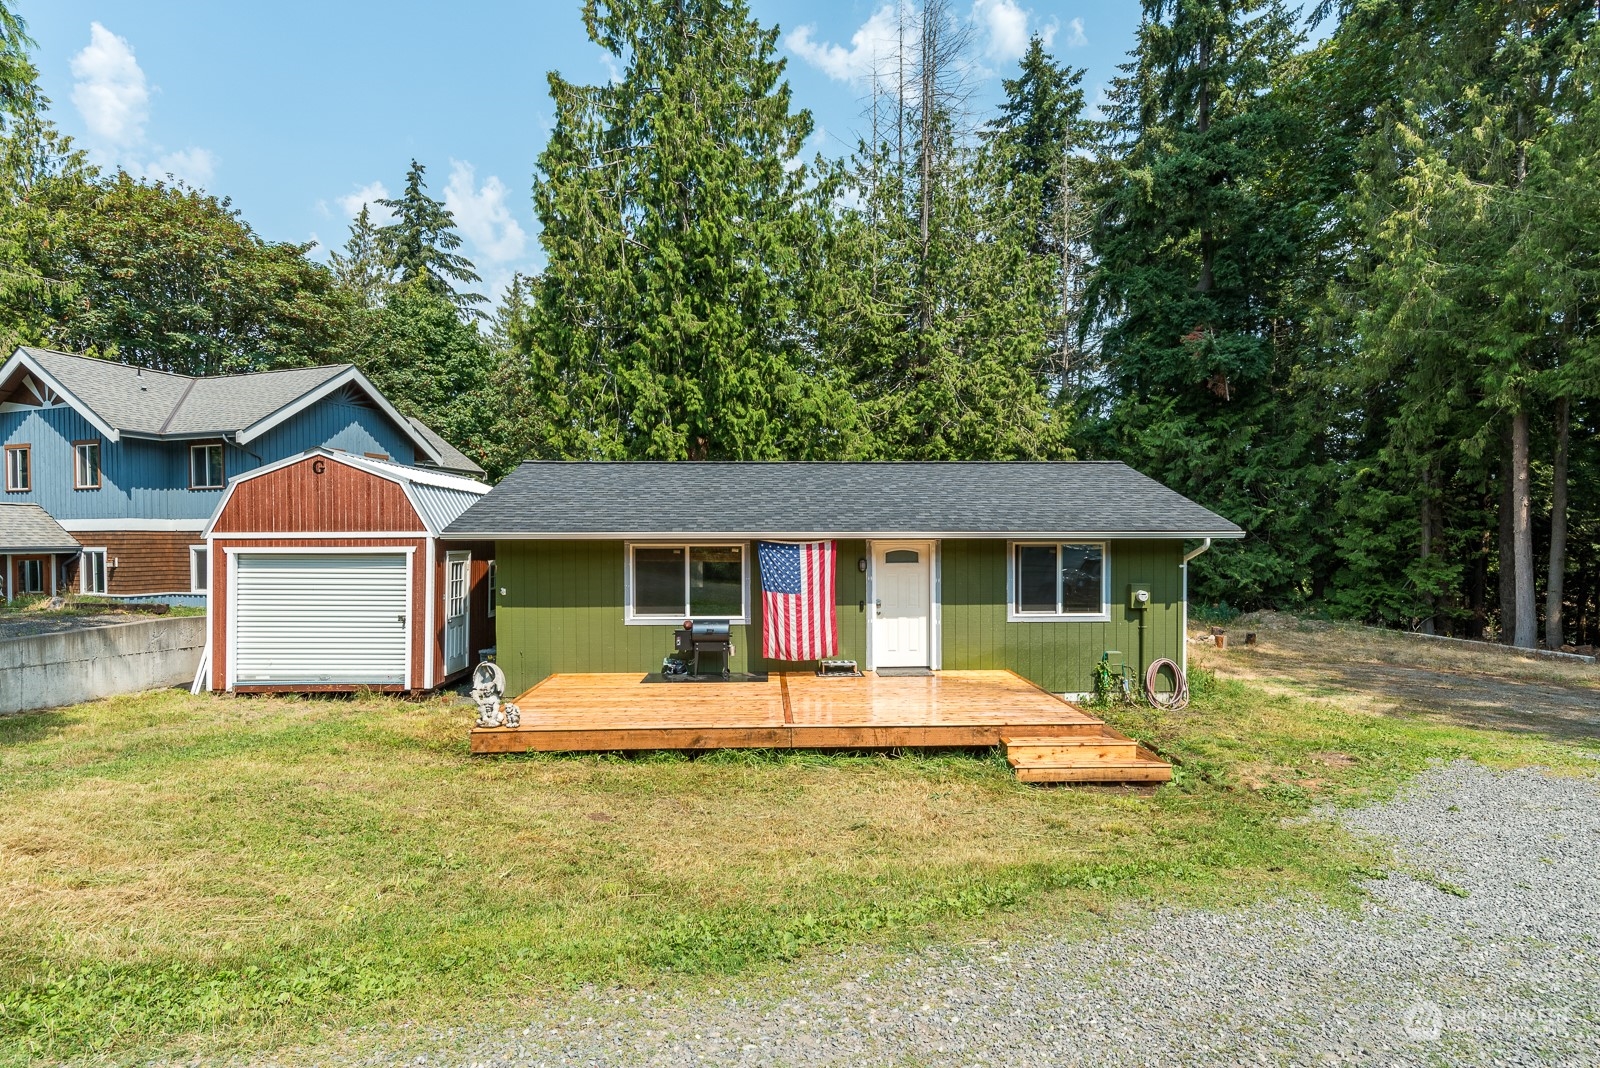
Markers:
point(224, 465)
point(194, 572)
point(633, 620)
point(493, 575)
point(1014, 616)
point(78, 482)
point(84, 570)
point(25, 451)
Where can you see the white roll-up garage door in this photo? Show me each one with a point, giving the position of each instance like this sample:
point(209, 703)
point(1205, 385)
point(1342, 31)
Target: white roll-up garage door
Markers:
point(314, 619)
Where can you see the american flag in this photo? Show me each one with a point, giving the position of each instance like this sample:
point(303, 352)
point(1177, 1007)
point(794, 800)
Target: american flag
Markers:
point(797, 610)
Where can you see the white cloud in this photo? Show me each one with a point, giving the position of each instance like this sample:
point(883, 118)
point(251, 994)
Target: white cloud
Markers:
point(1005, 28)
point(195, 166)
point(368, 195)
point(111, 94)
point(1076, 38)
point(109, 90)
point(872, 48)
point(613, 71)
point(483, 215)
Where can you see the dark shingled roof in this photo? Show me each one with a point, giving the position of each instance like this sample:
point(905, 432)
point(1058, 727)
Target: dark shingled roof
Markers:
point(28, 528)
point(552, 499)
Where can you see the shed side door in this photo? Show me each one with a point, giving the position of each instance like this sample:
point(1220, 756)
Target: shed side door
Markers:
point(316, 620)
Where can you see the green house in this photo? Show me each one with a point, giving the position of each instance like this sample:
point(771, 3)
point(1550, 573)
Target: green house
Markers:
point(1037, 568)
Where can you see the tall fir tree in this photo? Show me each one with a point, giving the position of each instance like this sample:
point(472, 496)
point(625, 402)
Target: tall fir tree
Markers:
point(362, 267)
point(421, 244)
point(939, 306)
point(1200, 233)
point(1041, 139)
point(674, 206)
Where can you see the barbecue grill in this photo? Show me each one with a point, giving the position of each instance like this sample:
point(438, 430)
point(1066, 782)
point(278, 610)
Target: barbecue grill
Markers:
point(699, 636)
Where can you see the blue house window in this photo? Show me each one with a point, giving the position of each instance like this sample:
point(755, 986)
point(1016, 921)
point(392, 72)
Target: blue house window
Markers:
point(205, 467)
point(85, 465)
point(19, 469)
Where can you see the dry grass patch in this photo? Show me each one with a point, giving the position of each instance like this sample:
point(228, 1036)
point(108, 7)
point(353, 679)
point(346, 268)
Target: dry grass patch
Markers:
point(1386, 672)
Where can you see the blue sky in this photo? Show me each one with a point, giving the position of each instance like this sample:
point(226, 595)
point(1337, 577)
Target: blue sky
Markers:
point(298, 111)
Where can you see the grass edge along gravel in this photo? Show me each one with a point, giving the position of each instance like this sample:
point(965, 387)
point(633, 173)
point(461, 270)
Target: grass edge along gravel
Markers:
point(1231, 828)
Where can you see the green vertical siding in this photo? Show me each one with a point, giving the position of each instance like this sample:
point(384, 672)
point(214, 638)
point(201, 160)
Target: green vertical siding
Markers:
point(562, 612)
point(1061, 657)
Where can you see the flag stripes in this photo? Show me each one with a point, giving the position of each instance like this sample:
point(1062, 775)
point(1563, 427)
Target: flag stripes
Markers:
point(799, 619)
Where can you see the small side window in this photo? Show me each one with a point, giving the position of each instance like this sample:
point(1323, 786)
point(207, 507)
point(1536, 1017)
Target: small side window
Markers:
point(199, 569)
point(205, 467)
point(494, 588)
point(19, 468)
point(86, 465)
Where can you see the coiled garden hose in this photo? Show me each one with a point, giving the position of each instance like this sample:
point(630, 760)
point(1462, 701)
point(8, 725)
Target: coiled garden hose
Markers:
point(1177, 698)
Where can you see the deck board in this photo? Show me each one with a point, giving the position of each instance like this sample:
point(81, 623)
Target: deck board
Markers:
point(595, 712)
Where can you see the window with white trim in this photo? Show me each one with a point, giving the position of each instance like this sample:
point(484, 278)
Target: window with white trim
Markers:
point(494, 587)
point(19, 468)
point(1058, 580)
point(30, 576)
point(92, 571)
point(85, 465)
point(199, 569)
point(205, 467)
point(672, 583)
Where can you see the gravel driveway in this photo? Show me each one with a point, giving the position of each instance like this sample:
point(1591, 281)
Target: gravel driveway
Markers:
point(1491, 957)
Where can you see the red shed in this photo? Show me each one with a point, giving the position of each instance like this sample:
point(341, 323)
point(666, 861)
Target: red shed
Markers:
point(327, 572)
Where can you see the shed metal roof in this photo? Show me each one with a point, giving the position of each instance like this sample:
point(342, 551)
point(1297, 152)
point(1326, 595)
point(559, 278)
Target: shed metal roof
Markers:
point(28, 528)
point(981, 499)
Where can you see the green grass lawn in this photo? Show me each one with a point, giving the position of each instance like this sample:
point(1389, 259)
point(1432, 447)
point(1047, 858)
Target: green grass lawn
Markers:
point(206, 873)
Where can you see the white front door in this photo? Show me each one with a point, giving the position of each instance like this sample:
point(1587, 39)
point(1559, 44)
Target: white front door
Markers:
point(457, 583)
point(902, 576)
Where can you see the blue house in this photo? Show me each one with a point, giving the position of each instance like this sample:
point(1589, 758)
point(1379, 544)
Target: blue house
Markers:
point(132, 462)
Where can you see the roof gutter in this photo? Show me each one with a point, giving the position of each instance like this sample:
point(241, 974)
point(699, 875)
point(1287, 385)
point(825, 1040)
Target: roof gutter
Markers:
point(1205, 545)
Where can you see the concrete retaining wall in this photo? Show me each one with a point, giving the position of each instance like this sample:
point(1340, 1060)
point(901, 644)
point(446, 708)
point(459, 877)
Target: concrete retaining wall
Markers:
point(47, 670)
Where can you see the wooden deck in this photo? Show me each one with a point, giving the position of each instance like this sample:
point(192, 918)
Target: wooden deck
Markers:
point(790, 710)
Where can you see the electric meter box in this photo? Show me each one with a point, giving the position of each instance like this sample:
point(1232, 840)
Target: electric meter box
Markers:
point(1138, 598)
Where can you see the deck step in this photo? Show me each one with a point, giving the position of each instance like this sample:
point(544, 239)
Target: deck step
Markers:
point(1037, 751)
point(1108, 771)
point(1060, 757)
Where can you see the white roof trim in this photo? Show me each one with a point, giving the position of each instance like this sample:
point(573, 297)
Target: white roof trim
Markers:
point(401, 476)
point(348, 376)
point(21, 358)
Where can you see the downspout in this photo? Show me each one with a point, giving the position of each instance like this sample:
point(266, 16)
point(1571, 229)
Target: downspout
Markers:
point(1183, 626)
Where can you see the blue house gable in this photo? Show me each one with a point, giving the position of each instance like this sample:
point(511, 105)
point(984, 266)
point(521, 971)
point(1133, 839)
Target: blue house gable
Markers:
point(133, 462)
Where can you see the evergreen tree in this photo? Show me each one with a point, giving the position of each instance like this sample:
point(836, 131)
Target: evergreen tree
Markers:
point(1040, 138)
point(937, 302)
point(1471, 299)
point(673, 208)
point(421, 244)
point(363, 267)
point(1201, 231)
point(434, 365)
